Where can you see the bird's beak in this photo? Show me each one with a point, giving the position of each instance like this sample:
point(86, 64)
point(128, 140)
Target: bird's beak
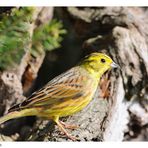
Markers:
point(114, 65)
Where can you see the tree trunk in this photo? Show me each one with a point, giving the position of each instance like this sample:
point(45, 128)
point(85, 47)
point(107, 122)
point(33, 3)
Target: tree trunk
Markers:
point(119, 110)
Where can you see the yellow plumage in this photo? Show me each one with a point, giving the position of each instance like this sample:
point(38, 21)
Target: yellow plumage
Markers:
point(66, 94)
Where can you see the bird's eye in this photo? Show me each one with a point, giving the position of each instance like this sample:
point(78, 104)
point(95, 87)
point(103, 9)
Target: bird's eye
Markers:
point(103, 61)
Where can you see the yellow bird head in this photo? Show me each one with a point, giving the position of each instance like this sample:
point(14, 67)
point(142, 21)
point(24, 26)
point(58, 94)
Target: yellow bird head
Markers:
point(98, 63)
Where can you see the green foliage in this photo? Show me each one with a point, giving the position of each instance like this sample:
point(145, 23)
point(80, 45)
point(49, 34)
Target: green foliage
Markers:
point(14, 36)
point(47, 37)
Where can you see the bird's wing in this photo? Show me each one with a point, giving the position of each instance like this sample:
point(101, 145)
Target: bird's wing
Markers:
point(65, 86)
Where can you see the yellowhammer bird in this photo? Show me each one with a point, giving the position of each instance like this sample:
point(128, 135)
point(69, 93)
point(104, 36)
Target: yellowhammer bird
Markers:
point(66, 94)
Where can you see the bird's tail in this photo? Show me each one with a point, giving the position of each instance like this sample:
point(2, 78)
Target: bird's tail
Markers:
point(16, 114)
point(9, 116)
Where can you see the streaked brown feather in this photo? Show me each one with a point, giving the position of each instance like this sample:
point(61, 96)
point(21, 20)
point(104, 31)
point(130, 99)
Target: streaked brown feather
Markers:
point(66, 86)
